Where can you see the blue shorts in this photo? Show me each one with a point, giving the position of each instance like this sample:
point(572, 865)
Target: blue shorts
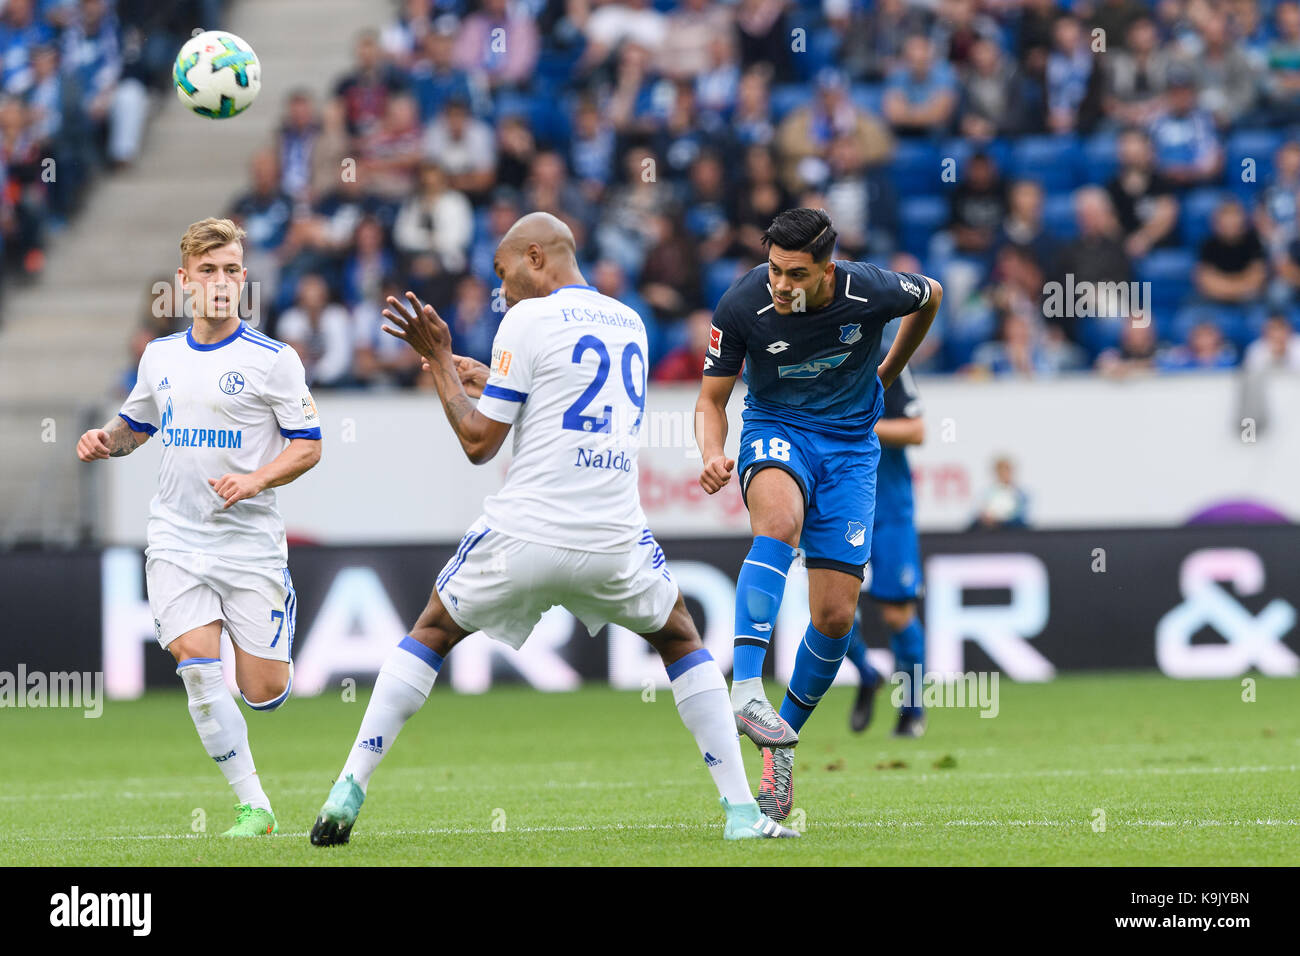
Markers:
point(837, 477)
point(895, 562)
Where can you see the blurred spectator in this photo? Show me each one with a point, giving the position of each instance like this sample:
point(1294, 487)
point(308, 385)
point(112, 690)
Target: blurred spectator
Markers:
point(1187, 146)
point(691, 37)
point(1136, 76)
point(435, 225)
point(1004, 505)
point(1278, 347)
point(992, 94)
point(1231, 265)
point(21, 32)
point(1026, 349)
point(92, 56)
point(609, 279)
point(751, 120)
point(435, 77)
point(1229, 81)
point(1115, 18)
point(473, 320)
point(320, 331)
point(365, 91)
point(920, 94)
point(264, 212)
point(708, 215)
point(764, 34)
point(1097, 254)
point(464, 146)
point(1073, 91)
point(1205, 350)
point(23, 203)
point(501, 215)
point(625, 231)
point(718, 85)
point(1282, 87)
point(761, 199)
point(297, 140)
point(1143, 199)
point(499, 42)
point(379, 358)
point(670, 278)
point(591, 150)
point(807, 132)
point(370, 262)
point(1022, 226)
point(1276, 212)
point(874, 34)
point(978, 205)
point(685, 363)
point(390, 153)
point(515, 152)
point(549, 189)
point(614, 21)
point(1135, 353)
point(404, 36)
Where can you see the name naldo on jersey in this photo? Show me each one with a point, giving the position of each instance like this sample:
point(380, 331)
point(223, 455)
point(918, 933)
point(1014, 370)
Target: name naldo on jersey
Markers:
point(225, 407)
point(815, 369)
point(569, 373)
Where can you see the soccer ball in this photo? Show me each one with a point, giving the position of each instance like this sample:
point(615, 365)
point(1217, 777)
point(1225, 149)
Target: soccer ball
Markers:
point(217, 74)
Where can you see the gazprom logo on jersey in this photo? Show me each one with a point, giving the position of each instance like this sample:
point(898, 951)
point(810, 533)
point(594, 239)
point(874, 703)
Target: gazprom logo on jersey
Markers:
point(196, 437)
point(813, 368)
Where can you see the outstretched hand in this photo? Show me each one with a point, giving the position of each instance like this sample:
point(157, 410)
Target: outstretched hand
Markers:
point(421, 327)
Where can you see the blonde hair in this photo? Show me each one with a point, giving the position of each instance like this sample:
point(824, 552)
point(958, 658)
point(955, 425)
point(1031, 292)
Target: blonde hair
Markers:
point(208, 234)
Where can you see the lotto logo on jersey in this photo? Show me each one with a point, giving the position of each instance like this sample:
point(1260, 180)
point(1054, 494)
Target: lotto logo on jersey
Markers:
point(715, 340)
point(501, 361)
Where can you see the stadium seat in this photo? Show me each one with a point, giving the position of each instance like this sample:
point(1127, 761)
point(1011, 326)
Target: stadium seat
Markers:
point(1231, 320)
point(1051, 160)
point(718, 277)
point(1058, 215)
point(1197, 211)
point(1100, 157)
point(786, 98)
point(915, 167)
point(919, 218)
point(1170, 273)
point(868, 96)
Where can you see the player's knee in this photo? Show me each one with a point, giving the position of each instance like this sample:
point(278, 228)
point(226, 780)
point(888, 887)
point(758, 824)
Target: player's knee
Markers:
point(834, 621)
point(267, 694)
point(897, 616)
point(780, 525)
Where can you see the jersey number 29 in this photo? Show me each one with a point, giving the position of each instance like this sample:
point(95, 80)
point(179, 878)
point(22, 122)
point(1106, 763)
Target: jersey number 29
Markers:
point(574, 418)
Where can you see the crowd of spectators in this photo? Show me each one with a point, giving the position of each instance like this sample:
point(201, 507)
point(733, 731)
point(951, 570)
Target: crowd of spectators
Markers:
point(76, 78)
point(1006, 147)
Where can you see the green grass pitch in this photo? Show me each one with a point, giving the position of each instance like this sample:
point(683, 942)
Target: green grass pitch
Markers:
point(1185, 772)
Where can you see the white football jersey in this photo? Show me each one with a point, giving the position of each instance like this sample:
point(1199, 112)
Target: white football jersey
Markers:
point(569, 372)
point(227, 407)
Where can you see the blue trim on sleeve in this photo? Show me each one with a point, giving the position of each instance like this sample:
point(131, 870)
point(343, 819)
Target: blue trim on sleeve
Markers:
point(312, 433)
point(201, 347)
point(507, 394)
point(695, 658)
point(423, 652)
point(138, 426)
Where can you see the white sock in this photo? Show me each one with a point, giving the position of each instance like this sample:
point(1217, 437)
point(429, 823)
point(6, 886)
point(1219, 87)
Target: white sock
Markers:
point(745, 690)
point(222, 729)
point(700, 692)
point(401, 689)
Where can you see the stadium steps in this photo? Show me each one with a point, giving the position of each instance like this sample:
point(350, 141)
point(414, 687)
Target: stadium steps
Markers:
point(64, 340)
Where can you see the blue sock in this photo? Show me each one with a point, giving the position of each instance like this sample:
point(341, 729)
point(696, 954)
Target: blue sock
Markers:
point(758, 598)
point(815, 667)
point(908, 646)
point(857, 656)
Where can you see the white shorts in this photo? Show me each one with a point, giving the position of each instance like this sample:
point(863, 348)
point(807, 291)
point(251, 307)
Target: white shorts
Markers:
point(257, 605)
point(502, 586)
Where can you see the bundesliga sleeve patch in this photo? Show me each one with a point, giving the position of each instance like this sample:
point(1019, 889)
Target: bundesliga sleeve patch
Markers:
point(715, 341)
point(501, 361)
point(309, 408)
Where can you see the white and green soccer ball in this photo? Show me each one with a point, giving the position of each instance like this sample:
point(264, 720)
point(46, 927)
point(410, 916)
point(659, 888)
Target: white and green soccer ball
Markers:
point(217, 74)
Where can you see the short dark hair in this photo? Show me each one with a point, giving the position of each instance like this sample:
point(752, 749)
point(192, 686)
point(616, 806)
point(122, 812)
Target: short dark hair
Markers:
point(802, 230)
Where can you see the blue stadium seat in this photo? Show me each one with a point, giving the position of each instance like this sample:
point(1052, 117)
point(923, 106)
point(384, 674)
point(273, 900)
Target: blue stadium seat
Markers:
point(1197, 211)
point(1058, 215)
point(1231, 320)
point(1100, 157)
point(1170, 273)
point(787, 97)
point(915, 167)
point(868, 96)
point(920, 217)
point(1051, 160)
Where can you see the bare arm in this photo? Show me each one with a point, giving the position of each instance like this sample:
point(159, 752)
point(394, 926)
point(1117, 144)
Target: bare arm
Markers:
point(711, 430)
point(425, 331)
point(911, 331)
point(900, 432)
point(297, 458)
point(114, 440)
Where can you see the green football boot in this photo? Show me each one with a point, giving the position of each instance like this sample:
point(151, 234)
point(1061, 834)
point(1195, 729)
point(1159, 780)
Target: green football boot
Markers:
point(747, 822)
point(334, 825)
point(251, 823)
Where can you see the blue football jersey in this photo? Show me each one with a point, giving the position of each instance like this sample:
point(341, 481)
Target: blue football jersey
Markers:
point(894, 475)
point(814, 369)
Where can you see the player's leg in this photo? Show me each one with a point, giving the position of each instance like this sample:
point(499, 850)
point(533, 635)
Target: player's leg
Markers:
point(869, 680)
point(907, 639)
point(700, 693)
point(405, 681)
point(775, 488)
point(188, 620)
